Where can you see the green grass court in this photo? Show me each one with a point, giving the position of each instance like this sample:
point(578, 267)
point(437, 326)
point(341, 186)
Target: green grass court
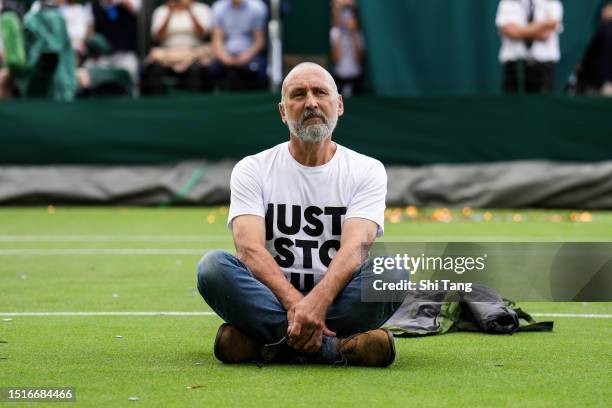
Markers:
point(143, 260)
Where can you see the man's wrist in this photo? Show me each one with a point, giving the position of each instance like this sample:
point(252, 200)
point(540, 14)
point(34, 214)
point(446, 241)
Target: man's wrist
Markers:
point(291, 299)
point(323, 297)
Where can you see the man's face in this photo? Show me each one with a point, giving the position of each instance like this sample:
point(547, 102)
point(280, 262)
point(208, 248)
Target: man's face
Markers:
point(311, 105)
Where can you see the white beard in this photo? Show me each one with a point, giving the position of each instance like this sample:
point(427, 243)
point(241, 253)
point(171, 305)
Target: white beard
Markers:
point(312, 133)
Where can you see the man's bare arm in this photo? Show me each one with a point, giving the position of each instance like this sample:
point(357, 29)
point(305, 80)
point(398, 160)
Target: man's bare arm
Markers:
point(249, 238)
point(162, 32)
point(218, 46)
point(539, 31)
point(307, 318)
point(258, 43)
point(356, 233)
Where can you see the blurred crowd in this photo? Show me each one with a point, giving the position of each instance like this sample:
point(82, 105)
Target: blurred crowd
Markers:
point(66, 48)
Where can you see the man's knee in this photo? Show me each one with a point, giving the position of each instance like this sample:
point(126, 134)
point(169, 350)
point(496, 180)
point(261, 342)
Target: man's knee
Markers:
point(211, 268)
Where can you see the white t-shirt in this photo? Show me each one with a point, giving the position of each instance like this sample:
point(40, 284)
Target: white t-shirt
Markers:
point(516, 12)
point(305, 207)
point(181, 30)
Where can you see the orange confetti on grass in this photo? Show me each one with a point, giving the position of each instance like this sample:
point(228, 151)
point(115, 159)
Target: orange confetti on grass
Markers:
point(395, 215)
point(412, 211)
point(395, 219)
point(441, 215)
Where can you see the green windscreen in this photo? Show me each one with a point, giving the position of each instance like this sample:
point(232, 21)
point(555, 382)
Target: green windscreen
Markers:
point(450, 47)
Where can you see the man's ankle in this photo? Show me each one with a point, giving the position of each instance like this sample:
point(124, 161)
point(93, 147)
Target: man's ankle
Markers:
point(328, 354)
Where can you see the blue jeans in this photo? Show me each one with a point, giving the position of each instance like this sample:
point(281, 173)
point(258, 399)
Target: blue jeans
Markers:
point(231, 290)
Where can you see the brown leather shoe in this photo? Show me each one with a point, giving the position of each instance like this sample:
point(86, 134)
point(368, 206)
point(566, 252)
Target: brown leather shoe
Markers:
point(232, 346)
point(374, 348)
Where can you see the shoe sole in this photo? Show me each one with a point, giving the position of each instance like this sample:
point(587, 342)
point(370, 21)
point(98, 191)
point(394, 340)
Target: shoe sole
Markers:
point(391, 339)
point(217, 340)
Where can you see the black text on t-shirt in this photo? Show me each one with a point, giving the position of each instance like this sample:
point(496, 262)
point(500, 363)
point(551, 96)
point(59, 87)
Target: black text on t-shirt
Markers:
point(309, 220)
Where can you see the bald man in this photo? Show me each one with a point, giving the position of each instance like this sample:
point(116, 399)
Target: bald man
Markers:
point(300, 215)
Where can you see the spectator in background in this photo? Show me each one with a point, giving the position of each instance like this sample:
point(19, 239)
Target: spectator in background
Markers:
point(595, 72)
point(238, 41)
point(117, 22)
point(6, 82)
point(16, 6)
point(42, 62)
point(179, 26)
point(1, 46)
point(338, 6)
point(347, 47)
point(79, 21)
point(530, 43)
point(5, 79)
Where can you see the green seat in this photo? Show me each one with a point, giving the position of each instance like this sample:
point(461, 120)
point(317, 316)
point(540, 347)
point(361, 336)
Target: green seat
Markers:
point(116, 76)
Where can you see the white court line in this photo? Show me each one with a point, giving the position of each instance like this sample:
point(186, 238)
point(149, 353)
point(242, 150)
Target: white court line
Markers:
point(110, 314)
point(576, 315)
point(485, 238)
point(579, 315)
point(104, 251)
point(114, 238)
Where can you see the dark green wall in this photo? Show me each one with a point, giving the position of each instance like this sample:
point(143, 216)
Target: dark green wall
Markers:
point(395, 130)
point(306, 27)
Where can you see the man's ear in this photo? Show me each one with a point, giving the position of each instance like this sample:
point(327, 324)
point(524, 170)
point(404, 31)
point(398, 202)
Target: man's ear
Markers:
point(340, 105)
point(281, 109)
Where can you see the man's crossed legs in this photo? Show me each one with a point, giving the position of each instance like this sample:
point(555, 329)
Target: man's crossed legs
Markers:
point(258, 320)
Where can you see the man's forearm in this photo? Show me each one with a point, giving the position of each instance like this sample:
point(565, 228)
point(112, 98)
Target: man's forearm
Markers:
point(218, 46)
point(163, 30)
point(533, 31)
point(339, 273)
point(255, 48)
point(196, 24)
point(265, 269)
point(251, 52)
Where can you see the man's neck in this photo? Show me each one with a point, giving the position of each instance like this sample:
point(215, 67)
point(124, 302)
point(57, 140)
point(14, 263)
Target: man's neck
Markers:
point(312, 154)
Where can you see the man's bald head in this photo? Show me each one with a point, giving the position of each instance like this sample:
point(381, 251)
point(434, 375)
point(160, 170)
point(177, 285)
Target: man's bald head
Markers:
point(310, 103)
point(307, 67)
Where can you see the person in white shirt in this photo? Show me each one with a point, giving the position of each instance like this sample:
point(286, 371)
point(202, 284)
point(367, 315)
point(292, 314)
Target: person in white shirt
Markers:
point(179, 26)
point(347, 51)
point(530, 43)
point(238, 39)
point(300, 215)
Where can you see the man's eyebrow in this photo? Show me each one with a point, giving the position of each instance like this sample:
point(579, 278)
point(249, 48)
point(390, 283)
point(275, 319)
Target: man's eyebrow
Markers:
point(320, 88)
point(296, 89)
